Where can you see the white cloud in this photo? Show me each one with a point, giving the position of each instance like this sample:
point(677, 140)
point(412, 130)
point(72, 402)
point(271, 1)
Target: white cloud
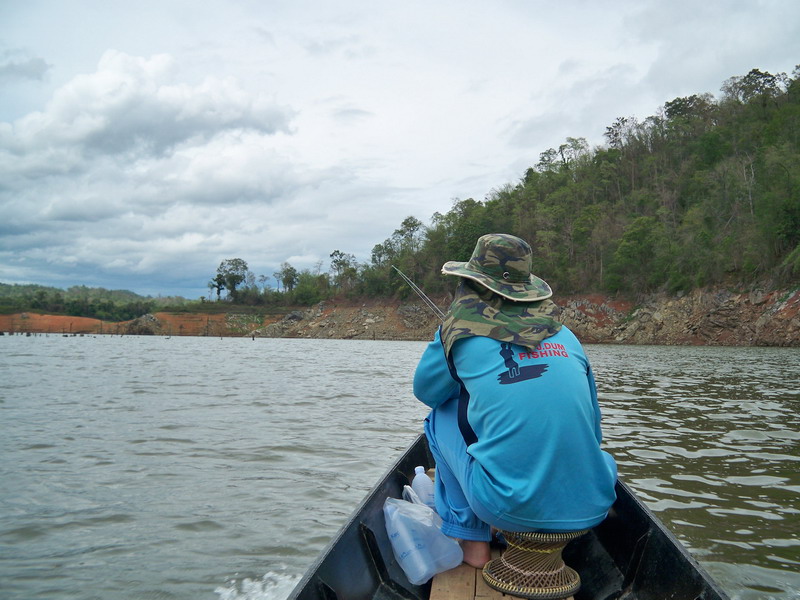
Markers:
point(130, 103)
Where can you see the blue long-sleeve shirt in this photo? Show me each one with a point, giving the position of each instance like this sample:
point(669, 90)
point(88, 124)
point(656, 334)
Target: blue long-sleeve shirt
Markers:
point(536, 431)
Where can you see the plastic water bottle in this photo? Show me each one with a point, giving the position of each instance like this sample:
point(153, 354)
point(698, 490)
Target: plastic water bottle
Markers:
point(418, 544)
point(423, 487)
point(411, 550)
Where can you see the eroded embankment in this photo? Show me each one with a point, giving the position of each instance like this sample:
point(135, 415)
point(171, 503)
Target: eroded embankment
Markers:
point(703, 317)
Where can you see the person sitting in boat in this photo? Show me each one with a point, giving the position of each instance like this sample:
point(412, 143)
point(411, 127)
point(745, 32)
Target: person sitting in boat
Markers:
point(516, 435)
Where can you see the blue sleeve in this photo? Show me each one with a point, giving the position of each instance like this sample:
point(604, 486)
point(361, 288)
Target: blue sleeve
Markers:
point(433, 383)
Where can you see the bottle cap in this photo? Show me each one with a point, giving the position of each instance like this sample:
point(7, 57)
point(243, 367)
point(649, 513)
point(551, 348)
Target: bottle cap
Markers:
point(419, 470)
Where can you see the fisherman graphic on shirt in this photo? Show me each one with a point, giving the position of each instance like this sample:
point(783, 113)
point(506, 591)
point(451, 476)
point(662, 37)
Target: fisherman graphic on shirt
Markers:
point(516, 373)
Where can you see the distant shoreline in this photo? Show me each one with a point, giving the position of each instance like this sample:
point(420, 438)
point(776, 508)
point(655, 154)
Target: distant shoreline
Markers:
point(702, 317)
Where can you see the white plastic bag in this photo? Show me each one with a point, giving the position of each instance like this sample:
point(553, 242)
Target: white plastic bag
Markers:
point(419, 545)
point(411, 496)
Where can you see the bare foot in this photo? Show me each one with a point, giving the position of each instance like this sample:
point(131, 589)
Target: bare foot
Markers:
point(476, 554)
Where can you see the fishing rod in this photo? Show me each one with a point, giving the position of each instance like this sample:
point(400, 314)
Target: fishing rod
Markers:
point(430, 303)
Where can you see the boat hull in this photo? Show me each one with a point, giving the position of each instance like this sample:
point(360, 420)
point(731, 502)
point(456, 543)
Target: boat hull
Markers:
point(629, 556)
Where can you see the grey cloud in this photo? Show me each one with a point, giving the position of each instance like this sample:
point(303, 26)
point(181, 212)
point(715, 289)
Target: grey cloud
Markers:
point(159, 128)
point(87, 209)
point(698, 41)
point(580, 103)
point(351, 114)
point(321, 47)
point(126, 138)
point(23, 69)
point(266, 35)
point(130, 103)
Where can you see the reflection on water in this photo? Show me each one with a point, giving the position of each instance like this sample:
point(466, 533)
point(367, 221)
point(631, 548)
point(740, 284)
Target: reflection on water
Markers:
point(200, 468)
point(708, 437)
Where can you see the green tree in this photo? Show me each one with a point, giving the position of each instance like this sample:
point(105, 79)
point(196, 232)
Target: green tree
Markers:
point(232, 272)
point(310, 289)
point(344, 269)
point(638, 263)
point(218, 284)
point(287, 276)
point(407, 237)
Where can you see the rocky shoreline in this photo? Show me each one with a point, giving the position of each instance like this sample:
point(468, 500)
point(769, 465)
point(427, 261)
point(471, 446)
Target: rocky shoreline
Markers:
point(702, 317)
point(718, 317)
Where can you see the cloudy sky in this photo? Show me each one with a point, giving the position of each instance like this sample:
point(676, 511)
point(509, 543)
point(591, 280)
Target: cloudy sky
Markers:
point(141, 143)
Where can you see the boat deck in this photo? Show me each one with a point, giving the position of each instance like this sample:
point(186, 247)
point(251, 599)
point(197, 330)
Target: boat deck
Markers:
point(464, 583)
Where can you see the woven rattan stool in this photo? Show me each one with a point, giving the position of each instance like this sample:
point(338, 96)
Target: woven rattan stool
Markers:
point(532, 567)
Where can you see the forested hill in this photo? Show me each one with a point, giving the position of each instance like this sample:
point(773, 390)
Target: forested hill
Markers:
point(706, 192)
point(79, 300)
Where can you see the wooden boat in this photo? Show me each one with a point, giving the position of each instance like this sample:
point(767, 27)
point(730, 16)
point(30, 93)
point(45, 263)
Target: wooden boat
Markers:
point(630, 556)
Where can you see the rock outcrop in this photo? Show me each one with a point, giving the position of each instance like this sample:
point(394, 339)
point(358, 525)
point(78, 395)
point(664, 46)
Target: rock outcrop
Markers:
point(703, 317)
point(145, 325)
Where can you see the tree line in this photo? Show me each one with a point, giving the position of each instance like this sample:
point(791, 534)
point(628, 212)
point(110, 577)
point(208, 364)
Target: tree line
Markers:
point(705, 192)
point(80, 301)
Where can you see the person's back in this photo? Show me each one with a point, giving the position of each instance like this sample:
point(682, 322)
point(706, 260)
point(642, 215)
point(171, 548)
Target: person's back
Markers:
point(515, 424)
point(537, 432)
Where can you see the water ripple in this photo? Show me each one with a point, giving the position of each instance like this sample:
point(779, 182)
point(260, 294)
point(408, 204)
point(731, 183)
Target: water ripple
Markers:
point(713, 452)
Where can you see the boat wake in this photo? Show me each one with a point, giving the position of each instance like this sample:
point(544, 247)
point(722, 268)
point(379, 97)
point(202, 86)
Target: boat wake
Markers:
point(273, 586)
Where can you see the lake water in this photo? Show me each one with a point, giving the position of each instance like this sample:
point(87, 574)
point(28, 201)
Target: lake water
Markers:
point(217, 469)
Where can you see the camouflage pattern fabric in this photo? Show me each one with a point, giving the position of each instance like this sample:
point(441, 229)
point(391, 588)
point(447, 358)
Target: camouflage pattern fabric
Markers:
point(476, 311)
point(502, 263)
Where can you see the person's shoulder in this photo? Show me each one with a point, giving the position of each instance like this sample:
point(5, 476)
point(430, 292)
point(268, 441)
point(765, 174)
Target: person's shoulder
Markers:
point(567, 337)
point(566, 332)
point(477, 341)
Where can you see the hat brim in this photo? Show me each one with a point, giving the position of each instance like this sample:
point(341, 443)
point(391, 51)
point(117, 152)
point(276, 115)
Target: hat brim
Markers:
point(532, 291)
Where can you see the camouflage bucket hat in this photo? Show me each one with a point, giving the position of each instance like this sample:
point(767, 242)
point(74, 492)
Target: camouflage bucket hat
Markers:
point(502, 263)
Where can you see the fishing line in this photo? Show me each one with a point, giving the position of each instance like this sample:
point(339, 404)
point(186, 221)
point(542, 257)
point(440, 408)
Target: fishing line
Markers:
point(436, 310)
